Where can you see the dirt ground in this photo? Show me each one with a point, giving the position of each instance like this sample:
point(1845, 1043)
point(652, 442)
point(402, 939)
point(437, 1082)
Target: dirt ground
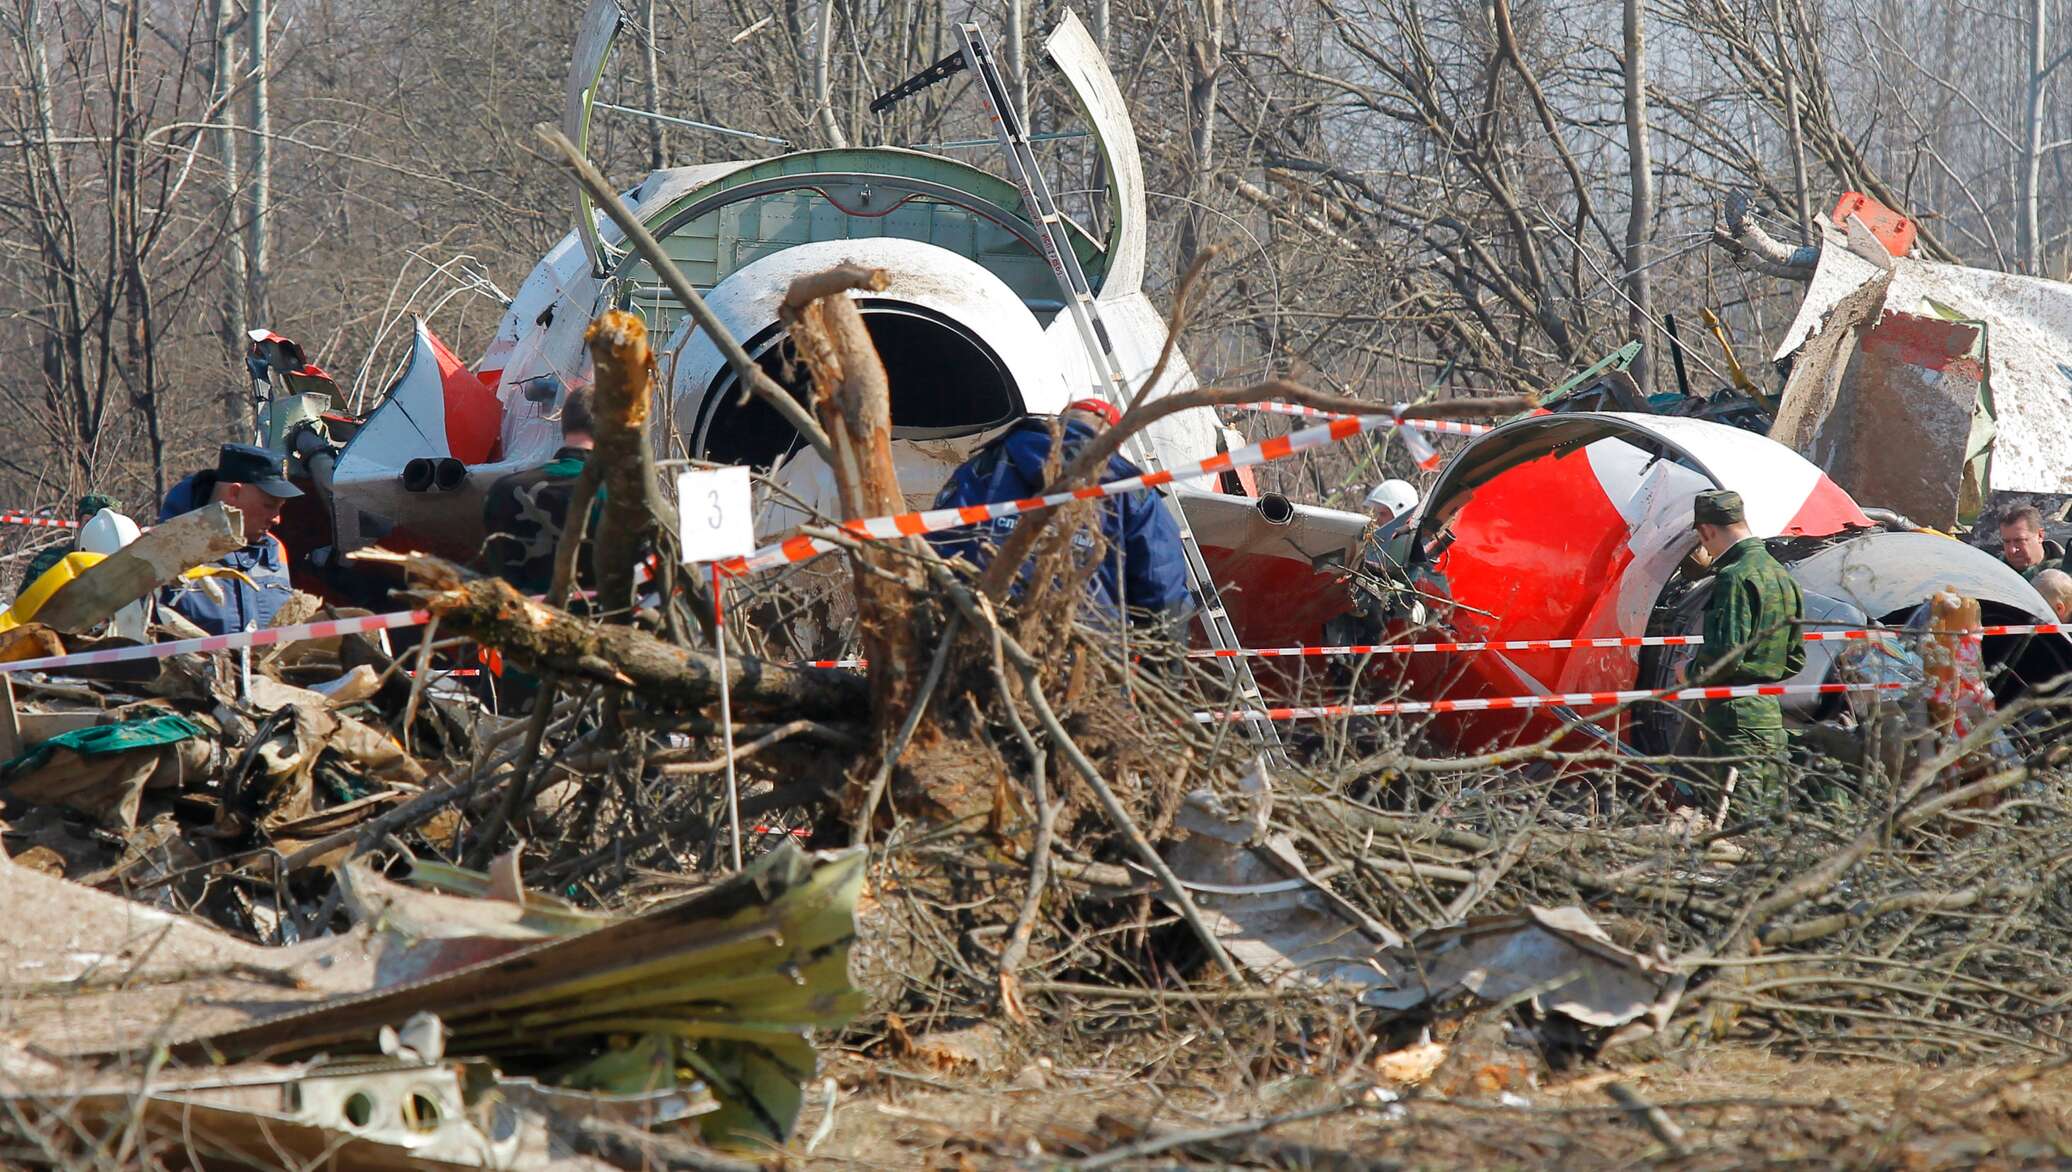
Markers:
point(1719, 1106)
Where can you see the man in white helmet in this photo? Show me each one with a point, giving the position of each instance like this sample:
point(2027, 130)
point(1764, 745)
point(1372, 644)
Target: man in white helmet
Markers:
point(1391, 499)
point(1377, 587)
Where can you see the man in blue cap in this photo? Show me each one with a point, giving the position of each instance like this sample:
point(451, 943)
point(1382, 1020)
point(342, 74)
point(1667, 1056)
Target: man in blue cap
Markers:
point(254, 583)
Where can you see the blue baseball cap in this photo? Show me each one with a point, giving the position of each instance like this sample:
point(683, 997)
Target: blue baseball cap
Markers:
point(251, 464)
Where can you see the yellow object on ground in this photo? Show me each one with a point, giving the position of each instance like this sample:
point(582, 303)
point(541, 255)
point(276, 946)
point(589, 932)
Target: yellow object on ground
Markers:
point(54, 579)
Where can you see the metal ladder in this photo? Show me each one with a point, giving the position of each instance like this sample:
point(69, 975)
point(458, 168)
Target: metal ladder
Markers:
point(1093, 334)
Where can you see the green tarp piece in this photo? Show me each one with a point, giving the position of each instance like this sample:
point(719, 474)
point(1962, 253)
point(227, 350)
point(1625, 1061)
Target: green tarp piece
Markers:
point(103, 739)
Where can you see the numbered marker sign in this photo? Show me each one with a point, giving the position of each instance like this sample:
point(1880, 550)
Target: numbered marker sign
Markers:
point(713, 508)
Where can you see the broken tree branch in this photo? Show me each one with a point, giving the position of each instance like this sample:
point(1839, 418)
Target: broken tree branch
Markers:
point(977, 609)
point(853, 400)
point(153, 559)
point(1750, 246)
point(624, 393)
point(541, 638)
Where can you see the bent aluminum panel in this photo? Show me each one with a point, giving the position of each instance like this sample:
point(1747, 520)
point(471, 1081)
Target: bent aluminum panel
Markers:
point(1073, 50)
point(1888, 572)
point(594, 37)
point(2028, 324)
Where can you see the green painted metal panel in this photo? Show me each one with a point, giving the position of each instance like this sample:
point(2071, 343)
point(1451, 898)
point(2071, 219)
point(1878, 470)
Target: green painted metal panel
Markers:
point(718, 242)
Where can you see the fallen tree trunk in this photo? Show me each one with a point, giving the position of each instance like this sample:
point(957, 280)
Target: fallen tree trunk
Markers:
point(542, 639)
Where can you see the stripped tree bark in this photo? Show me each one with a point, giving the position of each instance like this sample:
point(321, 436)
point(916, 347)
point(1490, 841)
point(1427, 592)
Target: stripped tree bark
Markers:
point(854, 406)
point(624, 397)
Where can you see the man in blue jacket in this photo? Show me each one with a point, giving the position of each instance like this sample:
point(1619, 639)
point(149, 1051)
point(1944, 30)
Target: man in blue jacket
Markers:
point(1153, 572)
point(254, 586)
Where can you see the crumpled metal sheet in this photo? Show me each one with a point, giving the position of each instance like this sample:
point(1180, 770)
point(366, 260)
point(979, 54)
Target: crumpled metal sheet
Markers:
point(1557, 957)
point(1256, 895)
point(1914, 384)
point(2028, 338)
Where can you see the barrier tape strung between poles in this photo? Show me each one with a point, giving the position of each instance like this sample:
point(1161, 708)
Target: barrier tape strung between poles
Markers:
point(42, 522)
point(800, 547)
point(1605, 641)
point(326, 629)
point(1559, 699)
point(1441, 426)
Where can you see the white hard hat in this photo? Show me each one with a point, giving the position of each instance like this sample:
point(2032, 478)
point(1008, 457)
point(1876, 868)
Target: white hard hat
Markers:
point(1397, 496)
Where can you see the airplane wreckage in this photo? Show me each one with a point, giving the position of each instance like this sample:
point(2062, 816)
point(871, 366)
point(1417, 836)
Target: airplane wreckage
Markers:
point(1566, 524)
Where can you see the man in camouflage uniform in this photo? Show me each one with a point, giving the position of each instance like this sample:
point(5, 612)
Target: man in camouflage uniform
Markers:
point(524, 512)
point(1753, 635)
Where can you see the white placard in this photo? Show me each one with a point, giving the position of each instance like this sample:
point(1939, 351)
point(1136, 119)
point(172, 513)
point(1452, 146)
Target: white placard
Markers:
point(714, 511)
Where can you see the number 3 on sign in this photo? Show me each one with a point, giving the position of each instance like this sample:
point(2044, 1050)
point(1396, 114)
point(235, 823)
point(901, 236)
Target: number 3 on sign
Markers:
point(714, 511)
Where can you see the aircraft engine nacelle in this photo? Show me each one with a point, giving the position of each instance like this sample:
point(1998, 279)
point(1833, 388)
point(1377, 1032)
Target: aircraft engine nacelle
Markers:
point(963, 357)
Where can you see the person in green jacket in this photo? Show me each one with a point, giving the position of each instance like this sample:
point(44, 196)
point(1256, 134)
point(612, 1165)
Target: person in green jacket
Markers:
point(1753, 635)
point(525, 512)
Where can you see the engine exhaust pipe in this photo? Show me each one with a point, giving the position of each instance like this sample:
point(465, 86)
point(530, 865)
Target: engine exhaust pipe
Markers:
point(1276, 509)
point(425, 474)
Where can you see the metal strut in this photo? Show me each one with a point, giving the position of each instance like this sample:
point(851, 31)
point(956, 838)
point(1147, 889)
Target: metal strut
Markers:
point(1093, 334)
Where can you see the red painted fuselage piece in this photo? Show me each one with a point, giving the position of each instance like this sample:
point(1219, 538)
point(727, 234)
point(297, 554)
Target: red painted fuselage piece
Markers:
point(1563, 526)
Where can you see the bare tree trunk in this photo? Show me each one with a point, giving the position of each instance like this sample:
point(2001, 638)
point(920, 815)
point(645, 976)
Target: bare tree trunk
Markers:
point(141, 358)
point(1794, 134)
point(657, 146)
point(257, 296)
point(1017, 62)
point(1642, 181)
point(1103, 15)
point(2028, 225)
point(823, 102)
point(222, 20)
point(1205, 79)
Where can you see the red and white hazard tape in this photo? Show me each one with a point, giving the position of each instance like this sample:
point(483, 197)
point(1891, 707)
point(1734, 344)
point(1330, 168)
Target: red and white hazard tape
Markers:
point(801, 547)
point(832, 663)
point(44, 522)
point(1605, 641)
point(1394, 414)
point(1561, 699)
point(326, 629)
